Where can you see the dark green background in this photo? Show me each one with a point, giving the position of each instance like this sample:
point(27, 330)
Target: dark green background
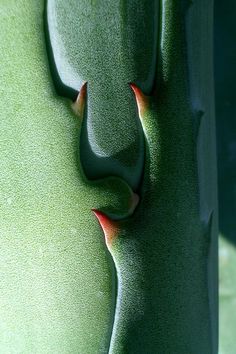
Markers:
point(225, 90)
point(225, 98)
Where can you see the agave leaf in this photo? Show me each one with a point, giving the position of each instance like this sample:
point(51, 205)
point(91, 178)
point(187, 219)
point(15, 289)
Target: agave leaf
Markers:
point(107, 46)
point(56, 282)
point(59, 283)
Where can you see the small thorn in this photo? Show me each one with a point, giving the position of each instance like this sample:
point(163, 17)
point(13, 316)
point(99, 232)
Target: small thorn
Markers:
point(141, 99)
point(208, 223)
point(197, 123)
point(134, 202)
point(207, 229)
point(79, 105)
point(108, 226)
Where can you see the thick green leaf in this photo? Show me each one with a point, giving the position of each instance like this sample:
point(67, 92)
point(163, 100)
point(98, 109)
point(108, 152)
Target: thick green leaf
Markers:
point(58, 293)
point(55, 276)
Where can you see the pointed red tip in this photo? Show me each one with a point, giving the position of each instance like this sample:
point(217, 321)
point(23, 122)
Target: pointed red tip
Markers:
point(141, 99)
point(108, 226)
point(79, 104)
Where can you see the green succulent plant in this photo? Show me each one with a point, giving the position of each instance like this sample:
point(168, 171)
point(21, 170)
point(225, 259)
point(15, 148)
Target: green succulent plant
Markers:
point(136, 150)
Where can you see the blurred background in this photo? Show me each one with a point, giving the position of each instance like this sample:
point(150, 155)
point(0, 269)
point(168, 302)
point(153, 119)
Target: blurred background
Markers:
point(225, 93)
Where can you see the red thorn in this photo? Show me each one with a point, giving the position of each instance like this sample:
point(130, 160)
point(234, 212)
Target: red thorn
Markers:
point(79, 105)
point(108, 226)
point(141, 99)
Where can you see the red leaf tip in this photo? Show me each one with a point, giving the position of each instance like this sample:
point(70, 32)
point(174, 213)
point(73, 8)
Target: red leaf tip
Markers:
point(108, 226)
point(79, 105)
point(141, 99)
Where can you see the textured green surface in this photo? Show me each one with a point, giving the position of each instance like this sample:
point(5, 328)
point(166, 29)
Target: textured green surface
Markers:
point(171, 183)
point(108, 45)
point(57, 289)
point(161, 253)
point(55, 277)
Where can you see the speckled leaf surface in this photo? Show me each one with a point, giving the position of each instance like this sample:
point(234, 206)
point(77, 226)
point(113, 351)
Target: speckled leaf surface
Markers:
point(55, 278)
point(177, 122)
point(108, 45)
point(60, 290)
